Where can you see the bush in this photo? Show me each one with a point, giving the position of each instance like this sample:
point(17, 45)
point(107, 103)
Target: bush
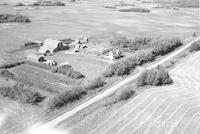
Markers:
point(67, 97)
point(154, 77)
point(68, 71)
point(5, 18)
point(195, 46)
point(96, 83)
point(19, 93)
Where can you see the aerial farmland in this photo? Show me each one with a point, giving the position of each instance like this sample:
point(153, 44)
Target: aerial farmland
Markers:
point(99, 67)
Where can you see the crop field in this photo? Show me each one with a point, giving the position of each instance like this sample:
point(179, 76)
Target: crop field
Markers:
point(43, 79)
point(162, 110)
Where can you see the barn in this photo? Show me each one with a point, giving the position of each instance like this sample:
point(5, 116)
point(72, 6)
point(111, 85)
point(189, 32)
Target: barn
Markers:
point(50, 46)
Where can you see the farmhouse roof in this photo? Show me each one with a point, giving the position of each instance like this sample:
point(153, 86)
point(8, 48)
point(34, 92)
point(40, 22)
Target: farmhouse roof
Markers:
point(51, 44)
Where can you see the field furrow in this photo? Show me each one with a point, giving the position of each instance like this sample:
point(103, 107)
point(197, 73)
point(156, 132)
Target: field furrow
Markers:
point(164, 110)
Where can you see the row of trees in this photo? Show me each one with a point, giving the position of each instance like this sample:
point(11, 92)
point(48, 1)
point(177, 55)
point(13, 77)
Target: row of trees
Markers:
point(154, 48)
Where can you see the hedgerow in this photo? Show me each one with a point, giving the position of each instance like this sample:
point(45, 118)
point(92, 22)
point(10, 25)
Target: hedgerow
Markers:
point(11, 64)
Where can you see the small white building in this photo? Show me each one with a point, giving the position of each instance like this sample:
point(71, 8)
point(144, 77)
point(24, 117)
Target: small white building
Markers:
point(111, 55)
point(63, 64)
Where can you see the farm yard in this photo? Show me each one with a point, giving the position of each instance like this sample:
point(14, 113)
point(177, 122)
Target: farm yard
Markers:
point(73, 52)
point(90, 66)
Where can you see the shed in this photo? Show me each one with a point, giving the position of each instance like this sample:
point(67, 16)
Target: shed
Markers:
point(111, 55)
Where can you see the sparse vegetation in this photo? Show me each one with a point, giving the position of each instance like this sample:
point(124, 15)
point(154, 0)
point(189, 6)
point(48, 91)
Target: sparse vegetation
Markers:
point(155, 77)
point(9, 18)
point(68, 71)
point(145, 52)
point(19, 93)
